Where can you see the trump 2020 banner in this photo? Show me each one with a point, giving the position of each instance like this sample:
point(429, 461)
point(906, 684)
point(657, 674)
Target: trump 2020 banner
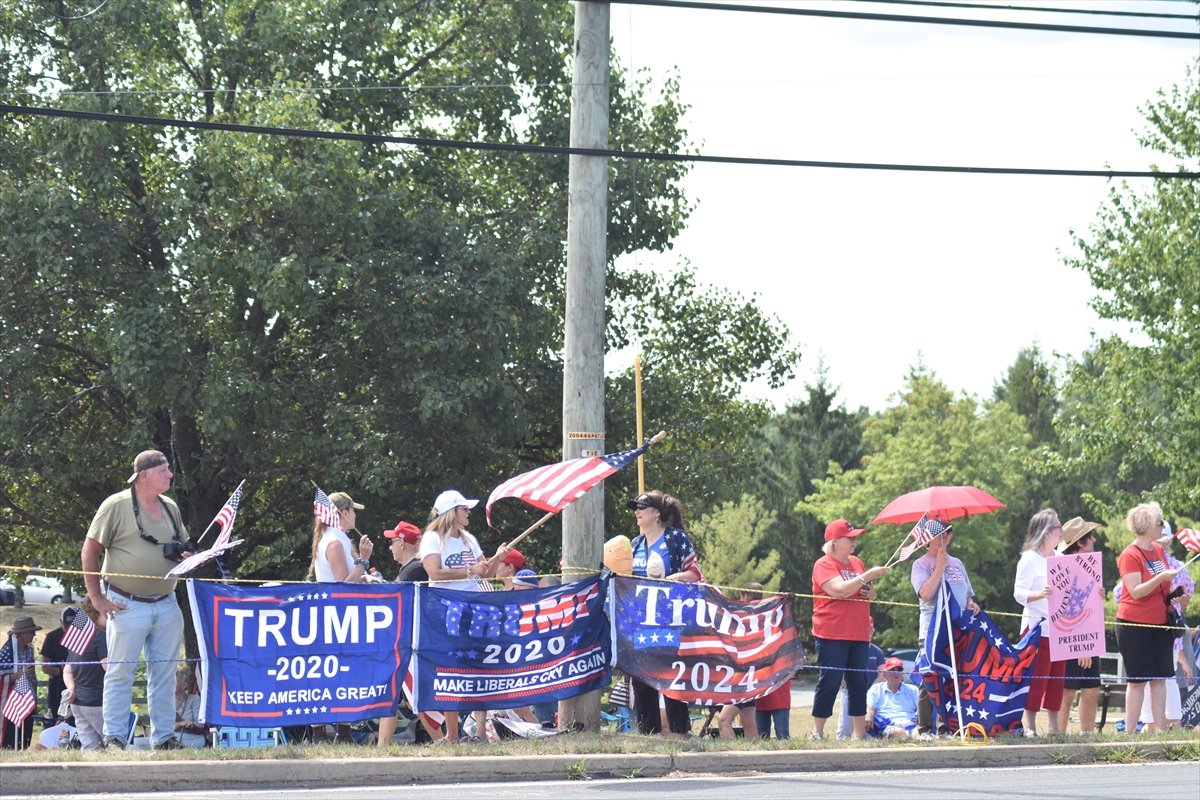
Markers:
point(1076, 605)
point(300, 654)
point(694, 644)
point(497, 650)
point(993, 676)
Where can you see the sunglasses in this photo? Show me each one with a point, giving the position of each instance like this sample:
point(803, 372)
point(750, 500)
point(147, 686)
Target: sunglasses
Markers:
point(640, 507)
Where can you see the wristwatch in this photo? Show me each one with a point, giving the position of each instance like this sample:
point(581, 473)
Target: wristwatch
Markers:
point(361, 562)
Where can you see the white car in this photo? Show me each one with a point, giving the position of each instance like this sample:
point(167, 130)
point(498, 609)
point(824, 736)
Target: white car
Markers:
point(38, 589)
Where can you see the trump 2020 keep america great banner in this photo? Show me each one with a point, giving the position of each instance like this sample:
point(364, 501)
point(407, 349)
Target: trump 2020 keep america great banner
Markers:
point(301, 654)
point(496, 650)
point(694, 644)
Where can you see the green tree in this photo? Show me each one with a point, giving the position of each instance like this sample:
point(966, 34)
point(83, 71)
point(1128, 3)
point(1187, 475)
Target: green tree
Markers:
point(795, 448)
point(377, 319)
point(731, 540)
point(1142, 256)
point(1030, 389)
point(933, 438)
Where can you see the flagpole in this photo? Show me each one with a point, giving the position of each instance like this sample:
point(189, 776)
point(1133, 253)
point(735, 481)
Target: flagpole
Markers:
point(637, 382)
point(214, 519)
point(658, 437)
point(962, 733)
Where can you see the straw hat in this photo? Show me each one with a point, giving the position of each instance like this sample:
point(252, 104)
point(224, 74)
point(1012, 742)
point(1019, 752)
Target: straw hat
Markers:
point(1075, 529)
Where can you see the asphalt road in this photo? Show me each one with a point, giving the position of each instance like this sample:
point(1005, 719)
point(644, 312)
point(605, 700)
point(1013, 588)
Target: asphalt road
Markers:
point(1107, 782)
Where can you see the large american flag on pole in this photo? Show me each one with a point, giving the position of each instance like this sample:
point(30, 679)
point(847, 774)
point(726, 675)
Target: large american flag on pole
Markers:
point(555, 486)
point(20, 703)
point(925, 531)
point(79, 633)
point(227, 514)
point(325, 510)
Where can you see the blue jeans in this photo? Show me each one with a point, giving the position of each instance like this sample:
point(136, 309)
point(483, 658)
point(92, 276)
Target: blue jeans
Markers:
point(782, 718)
point(840, 659)
point(156, 629)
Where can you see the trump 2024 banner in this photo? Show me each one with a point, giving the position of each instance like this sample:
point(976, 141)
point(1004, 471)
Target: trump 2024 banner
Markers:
point(497, 650)
point(694, 644)
point(300, 654)
point(993, 676)
point(1076, 605)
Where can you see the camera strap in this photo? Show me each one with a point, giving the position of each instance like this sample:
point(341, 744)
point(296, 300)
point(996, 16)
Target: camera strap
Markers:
point(137, 518)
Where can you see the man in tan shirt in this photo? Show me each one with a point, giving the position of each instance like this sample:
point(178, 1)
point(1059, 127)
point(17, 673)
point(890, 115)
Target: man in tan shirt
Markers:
point(141, 533)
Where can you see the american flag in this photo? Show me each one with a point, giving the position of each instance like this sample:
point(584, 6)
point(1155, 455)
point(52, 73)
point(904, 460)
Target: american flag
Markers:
point(325, 510)
point(1189, 538)
point(555, 486)
point(80, 633)
point(20, 703)
point(925, 531)
point(227, 515)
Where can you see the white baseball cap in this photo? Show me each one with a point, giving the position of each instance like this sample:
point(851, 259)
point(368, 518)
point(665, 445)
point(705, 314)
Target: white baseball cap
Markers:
point(452, 498)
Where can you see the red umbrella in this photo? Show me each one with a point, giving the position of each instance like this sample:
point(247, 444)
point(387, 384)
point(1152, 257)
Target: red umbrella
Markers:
point(946, 502)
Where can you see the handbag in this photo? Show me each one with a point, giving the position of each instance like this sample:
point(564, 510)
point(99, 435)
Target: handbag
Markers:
point(1175, 617)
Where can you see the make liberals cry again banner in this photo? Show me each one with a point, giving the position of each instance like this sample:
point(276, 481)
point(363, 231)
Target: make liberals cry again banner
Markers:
point(497, 650)
point(301, 654)
point(694, 644)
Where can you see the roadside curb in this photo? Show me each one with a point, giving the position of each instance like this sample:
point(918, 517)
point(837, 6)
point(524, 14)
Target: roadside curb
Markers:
point(76, 777)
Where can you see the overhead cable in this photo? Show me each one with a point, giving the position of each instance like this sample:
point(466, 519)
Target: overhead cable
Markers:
point(557, 150)
point(1048, 10)
point(805, 11)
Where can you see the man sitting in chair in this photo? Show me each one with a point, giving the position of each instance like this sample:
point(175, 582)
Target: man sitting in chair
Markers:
point(892, 703)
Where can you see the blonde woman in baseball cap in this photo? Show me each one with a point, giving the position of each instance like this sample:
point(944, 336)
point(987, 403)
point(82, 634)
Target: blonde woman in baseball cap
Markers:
point(454, 560)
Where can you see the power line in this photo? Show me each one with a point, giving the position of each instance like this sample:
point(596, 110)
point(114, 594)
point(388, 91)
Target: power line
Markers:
point(556, 150)
point(863, 15)
point(1063, 10)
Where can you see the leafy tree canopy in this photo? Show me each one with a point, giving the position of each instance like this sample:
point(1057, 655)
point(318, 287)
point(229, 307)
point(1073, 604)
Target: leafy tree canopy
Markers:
point(929, 438)
point(731, 540)
point(1136, 404)
point(381, 320)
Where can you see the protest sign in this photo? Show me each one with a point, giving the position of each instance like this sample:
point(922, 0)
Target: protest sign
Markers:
point(1076, 604)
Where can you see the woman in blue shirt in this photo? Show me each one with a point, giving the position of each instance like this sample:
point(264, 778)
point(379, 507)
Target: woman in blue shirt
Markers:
point(662, 550)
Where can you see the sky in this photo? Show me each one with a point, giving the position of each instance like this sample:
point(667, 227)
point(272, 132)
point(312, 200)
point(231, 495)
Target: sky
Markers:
point(875, 272)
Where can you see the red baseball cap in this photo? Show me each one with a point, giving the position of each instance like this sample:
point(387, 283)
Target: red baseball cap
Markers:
point(514, 557)
point(840, 529)
point(892, 663)
point(406, 531)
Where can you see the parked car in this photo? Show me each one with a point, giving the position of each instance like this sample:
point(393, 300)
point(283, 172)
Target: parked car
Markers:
point(38, 589)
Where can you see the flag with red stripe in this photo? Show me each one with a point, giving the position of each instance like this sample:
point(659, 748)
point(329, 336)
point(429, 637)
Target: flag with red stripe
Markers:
point(325, 510)
point(20, 703)
point(1189, 538)
point(79, 633)
point(227, 514)
point(555, 486)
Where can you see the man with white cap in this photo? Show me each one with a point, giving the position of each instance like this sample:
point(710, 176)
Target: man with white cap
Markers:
point(141, 534)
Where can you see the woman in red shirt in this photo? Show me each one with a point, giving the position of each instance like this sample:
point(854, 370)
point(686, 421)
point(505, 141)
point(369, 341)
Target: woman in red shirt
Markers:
point(1147, 651)
point(841, 626)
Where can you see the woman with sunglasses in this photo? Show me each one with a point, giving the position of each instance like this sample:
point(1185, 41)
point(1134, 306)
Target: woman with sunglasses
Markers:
point(661, 550)
point(1145, 644)
point(1031, 589)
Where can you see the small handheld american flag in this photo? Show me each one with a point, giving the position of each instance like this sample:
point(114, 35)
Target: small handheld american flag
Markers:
point(79, 634)
point(1189, 538)
point(227, 514)
point(325, 510)
point(925, 531)
point(20, 703)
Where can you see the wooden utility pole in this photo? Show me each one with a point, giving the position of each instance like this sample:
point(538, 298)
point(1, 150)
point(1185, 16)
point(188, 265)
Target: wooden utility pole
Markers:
point(583, 361)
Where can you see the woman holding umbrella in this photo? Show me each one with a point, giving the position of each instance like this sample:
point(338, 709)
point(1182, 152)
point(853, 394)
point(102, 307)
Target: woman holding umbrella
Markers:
point(1030, 589)
point(841, 626)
